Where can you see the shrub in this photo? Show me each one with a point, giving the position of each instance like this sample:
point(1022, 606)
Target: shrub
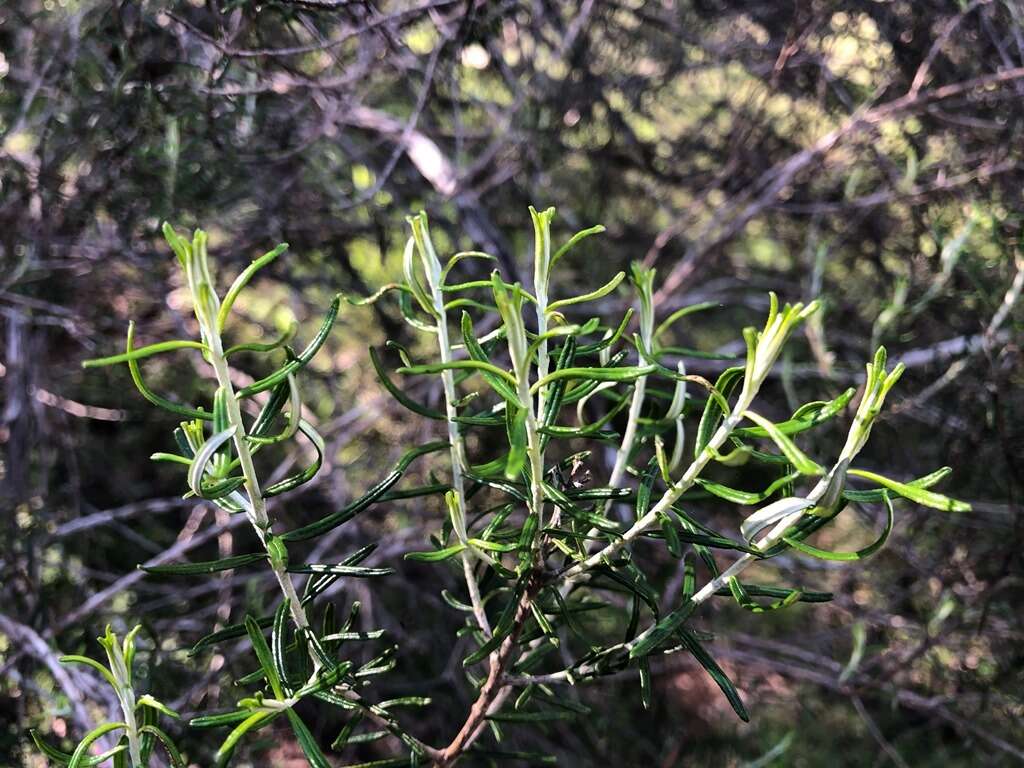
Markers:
point(541, 545)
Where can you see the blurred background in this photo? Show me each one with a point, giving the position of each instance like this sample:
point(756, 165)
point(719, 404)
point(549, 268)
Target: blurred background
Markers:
point(868, 153)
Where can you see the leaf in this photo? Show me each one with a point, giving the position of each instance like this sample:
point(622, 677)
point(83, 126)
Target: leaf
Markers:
point(601, 292)
point(800, 461)
point(804, 418)
point(584, 233)
point(220, 719)
point(436, 556)
point(80, 756)
point(64, 758)
point(203, 457)
point(405, 701)
point(259, 645)
point(527, 534)
point(146, 700)
point(671, 536)
point(345, 735)
point(285, 392)
point(227, 748)
point(744, 600)
point(492, 546)
point(716, 673)
point(772, 514)
point(228, 633)
point(243, 279)
point(506, 388)
point(758, 590)
point(914, 493)
point(398, 394)
point(875, 495)
point(556, 392)
point(357, 572)
point(307, 474)
point(456, 365)
point(656, 635)
point(169, 746)
point(623, 373)
point(847, 557)
point(610, 339)
point(207, 566)
point(461, 256)
point(345, 514)
point(279, 638)
point(745, 497)
point(161, 402)
point(516, 418)
point(643, 491)
point(298, 362)
point(106, 673)
point(283, 338)
point(679, 314)
point(504, 627)
point(147, 351)
point(421, 240)
point(714, 409)
point(306, 741)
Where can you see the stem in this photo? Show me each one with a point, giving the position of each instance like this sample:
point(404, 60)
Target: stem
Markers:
point(127, 698)
point(535, 452)
point(257, 510)
point(671, 494)
point(459, 460)
point(494, 689)
point(629, 435)
point(257, 513)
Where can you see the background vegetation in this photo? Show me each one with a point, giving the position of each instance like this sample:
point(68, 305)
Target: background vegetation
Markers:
point(866, 152)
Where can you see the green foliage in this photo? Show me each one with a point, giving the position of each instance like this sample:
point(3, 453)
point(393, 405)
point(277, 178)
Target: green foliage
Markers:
point(538, 548)
point(140, 732)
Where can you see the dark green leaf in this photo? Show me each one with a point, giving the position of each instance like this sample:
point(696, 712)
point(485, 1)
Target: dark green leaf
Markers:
point(713, 411)
point(169, 746)
point(259, 645)
point(303, 358)
point(347, 513)
point(208, 566)
point(307, 742)
point(436, 556)
point(704, 658)
point(398, 394)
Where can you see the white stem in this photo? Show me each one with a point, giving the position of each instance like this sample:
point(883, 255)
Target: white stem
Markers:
point(671, 494)
point(127, 698)
point(628, 437)
point(459, 460)
point(257, 507)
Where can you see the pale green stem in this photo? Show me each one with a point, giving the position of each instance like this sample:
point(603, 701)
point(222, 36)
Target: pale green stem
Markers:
point(127, 698)
point(535, 453)
point(459, 460)
point(257, 505)
point(671, 494)
point(629, 435)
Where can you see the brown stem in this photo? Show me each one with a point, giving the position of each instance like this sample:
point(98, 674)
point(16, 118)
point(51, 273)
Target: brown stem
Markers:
point(494, 684)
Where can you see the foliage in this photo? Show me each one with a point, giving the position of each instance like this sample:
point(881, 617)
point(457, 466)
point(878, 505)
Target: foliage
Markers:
point(538, 545)
point(865, 154)
point(141, 732)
